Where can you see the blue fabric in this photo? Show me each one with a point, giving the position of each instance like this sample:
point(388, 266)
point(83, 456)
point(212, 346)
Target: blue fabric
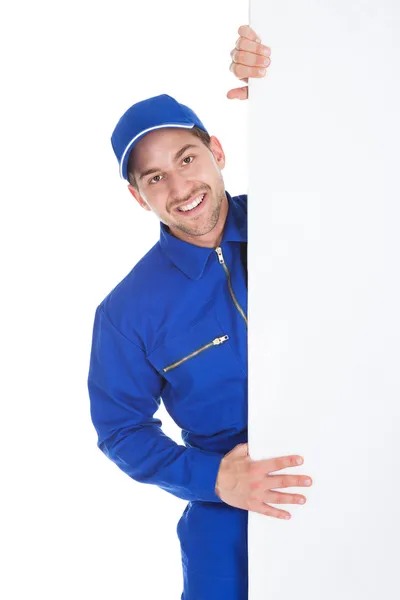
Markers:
point(153, 113)
point(213, 539)
point(175, 301)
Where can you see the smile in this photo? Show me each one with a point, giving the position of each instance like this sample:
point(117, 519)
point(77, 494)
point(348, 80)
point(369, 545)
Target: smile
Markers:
point(193, 205)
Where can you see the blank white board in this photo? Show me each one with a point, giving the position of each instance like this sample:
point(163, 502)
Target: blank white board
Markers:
point(324, 295)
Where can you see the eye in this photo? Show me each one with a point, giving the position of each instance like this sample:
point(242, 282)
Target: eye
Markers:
point(151, 180)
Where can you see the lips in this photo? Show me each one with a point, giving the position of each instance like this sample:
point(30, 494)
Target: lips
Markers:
point(191, 200)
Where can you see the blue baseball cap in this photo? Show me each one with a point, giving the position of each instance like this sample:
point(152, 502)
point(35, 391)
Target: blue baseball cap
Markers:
point(145, 116)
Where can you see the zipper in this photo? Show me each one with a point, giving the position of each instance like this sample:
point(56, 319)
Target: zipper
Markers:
point(215, 342)
point(218, 250)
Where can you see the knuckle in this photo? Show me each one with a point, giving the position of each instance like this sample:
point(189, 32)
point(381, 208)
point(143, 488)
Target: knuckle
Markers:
point(247, 45)
point(254, 485)
point(287, 461)
point(259, 60)
point(240, 70)
point(283, 462)
point(252, 467)
point(275, 482)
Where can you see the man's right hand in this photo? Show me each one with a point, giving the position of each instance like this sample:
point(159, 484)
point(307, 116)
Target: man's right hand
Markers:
point(246, 483)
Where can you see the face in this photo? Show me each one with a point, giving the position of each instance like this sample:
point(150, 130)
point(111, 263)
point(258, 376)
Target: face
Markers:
point(169, 176)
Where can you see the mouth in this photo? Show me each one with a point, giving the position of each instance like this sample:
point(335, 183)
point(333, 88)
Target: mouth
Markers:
point(194, 206)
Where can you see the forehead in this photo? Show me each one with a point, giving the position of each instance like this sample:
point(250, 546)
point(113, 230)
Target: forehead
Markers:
point(155, 144)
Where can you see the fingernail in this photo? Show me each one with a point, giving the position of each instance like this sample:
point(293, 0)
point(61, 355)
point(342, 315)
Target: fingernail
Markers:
point(307, 481)
point(299, 461)
point(258, 40)
point(262, 71)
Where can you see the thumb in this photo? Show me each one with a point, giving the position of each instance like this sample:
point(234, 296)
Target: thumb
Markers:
point(243, 449)
point(238, 93)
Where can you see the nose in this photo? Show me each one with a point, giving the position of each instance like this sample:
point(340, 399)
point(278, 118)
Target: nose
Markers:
point(179, 188)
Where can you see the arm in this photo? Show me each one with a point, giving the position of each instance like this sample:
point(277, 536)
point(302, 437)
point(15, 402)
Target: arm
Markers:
point(124, 390)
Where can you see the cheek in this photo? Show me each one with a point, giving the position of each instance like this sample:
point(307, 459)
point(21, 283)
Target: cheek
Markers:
point(161, 207)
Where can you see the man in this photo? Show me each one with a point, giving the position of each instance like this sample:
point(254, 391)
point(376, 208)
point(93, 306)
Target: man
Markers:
point(176, 328)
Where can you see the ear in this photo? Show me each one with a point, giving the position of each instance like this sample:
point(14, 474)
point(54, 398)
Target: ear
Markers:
point(216, 149)
point(138, 197)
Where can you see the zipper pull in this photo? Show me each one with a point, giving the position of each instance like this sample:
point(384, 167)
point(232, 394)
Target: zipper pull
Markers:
point(218, 250)
point(220, 340)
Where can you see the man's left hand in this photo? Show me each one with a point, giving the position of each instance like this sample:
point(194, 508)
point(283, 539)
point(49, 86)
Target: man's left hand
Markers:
point(250, 58)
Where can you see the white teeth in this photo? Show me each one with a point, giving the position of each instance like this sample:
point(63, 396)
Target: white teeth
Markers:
point(192, 205)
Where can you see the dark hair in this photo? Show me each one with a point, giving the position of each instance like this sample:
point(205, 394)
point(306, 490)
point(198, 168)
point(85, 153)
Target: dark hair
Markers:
point(200, 133)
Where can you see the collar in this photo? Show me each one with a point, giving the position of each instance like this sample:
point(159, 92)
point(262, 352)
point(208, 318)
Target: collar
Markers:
point(192, 259)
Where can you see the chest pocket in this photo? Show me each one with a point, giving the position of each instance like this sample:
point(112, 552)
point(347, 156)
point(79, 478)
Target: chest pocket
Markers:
point(214, 342)
point(205, 389)
point(200, 353)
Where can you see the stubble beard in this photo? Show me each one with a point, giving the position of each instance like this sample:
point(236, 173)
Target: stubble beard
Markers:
point(210, 223)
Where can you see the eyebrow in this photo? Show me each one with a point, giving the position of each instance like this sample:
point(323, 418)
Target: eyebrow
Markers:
point(177, 155)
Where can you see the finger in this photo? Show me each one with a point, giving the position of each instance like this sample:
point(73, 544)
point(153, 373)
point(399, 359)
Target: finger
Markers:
point(284, 481)
point(249, 33)
point(280, 498)
point(242, 71)
point(269, 511)
point(254, 47)
point(239, 93)
point(270, 465)
point(249, 58)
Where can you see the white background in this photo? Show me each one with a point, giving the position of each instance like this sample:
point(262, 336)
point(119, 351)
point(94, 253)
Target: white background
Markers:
point(73, 524)
point(324, 295)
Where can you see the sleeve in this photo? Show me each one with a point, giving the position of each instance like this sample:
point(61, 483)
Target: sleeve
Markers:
point(124, 391)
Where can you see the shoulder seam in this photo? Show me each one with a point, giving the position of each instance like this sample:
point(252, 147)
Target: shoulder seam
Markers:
point(118, 331)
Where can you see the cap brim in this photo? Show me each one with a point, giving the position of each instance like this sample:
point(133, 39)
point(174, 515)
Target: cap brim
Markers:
point(125, 156)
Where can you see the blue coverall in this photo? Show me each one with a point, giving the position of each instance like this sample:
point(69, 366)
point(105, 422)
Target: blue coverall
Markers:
point(175, 328)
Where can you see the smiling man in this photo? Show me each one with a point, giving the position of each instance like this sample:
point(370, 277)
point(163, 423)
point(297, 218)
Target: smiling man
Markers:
point(175, 328)
point(179, 178)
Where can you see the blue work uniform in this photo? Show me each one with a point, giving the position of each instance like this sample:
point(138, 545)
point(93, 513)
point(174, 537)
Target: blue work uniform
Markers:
point(175, 328)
